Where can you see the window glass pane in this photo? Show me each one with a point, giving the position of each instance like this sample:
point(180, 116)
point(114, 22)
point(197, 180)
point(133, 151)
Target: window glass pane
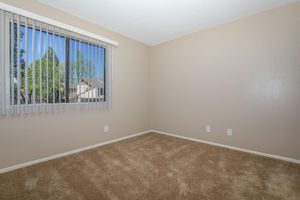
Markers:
point(38, 60)
point(87, 72)
point(46, 66)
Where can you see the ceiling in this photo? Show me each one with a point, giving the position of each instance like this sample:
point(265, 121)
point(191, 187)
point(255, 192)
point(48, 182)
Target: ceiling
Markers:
point(156, 21)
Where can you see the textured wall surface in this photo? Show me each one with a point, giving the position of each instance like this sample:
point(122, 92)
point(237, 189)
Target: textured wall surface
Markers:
point(243, 75)
point(27, 138)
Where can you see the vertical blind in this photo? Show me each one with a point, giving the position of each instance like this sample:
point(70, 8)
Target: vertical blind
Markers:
point(45, 68)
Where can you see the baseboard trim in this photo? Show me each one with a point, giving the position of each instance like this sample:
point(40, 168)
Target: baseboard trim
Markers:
point(292, 160)
point(26, 164)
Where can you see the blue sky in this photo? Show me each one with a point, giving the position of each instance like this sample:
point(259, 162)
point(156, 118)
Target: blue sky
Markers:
point(88, 51)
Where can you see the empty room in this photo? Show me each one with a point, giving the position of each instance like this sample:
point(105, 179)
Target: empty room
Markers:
point(150, 100)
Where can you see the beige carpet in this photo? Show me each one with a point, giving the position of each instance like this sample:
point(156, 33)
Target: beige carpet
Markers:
point(153, 167)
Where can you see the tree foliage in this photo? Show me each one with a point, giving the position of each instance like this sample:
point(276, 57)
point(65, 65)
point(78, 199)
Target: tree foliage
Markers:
point(46, 75)
point(83, 68)
point(49, 79)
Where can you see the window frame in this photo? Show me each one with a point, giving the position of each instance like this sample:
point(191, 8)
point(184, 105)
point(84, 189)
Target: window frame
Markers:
point(107, 71)
point(67, 63)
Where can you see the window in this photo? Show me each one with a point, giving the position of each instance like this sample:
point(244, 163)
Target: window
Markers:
point(58, 68)
point(44, 66)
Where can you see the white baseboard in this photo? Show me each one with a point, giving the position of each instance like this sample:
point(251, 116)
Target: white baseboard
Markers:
point(230, 147)
point(18, 166)
point(7, 169)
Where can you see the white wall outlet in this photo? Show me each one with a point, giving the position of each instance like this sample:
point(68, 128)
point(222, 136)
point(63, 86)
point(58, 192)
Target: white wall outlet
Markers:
point(106, 129)
point(229, 132)
point(208, 129)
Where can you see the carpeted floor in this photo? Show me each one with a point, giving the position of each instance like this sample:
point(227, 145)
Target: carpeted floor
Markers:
point(154, 166)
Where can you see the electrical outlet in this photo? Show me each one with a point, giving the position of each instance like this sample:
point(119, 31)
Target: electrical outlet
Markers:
point(229, 132)
point(208, 129)
point(106, 129)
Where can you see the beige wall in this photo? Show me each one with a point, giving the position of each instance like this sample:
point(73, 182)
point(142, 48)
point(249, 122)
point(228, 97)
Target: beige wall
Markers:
point(24, 139)
point(243, 75)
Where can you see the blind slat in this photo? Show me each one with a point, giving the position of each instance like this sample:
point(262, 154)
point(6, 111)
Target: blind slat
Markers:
point(110, 75)
point(58, 49)
point(26, 66)
point(53, 70)
point(47, 67)
point(40, 65)
point(33, 68)
point(12, 55)
point(2, 67)
point(79, 62)
point(97, 55)
point(89, 71)
point(7, 60)
point(91, 76)
point(65, 71)
point(18, 65)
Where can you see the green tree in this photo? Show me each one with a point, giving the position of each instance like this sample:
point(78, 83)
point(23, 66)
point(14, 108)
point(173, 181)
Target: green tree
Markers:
point(54, 69)
point(83, 68)
point(14, 58)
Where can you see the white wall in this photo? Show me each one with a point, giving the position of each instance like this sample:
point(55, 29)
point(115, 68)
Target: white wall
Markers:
point(243, 75)
point(27, 138)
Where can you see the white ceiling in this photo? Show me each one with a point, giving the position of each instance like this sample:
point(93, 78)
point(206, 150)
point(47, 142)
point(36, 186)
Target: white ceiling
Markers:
point(155, 21)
